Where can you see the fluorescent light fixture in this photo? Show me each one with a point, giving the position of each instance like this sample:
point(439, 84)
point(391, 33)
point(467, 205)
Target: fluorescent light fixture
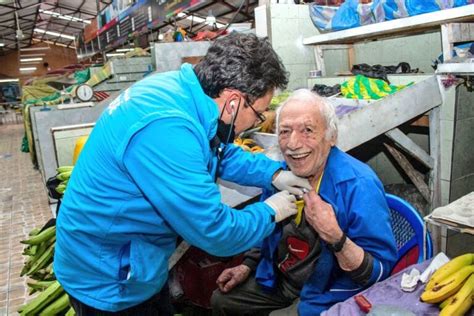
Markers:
point(9, 80)
point(28, 69)
point(2, 44)
point(32, 55)
point(53, 43)
point(30, 63)
point(25, 60)
point(54, 34)
point(64, 17)
point(114, 54)
point(124, 50)
point(34, 48)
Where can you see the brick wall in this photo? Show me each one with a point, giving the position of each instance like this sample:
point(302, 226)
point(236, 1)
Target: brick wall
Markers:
point(56, 57)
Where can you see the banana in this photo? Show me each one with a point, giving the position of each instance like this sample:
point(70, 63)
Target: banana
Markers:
point(40, 285)
point(40, 301)
point(238, 141)
point(63, 176)
point(62, 169)
point(256, 149)
point(61, 188)
point(30, 250)
point(42, 261)
point(449, 268)
point(248, 141)
point(245, 147)
point(34, 232)
point(57, 306)
point(446, 302)
point(448, 286)
point(46, 234)
point(454, 305)
point(71, 312)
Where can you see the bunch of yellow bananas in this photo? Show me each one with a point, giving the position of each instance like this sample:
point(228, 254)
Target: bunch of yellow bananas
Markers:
point(52, 299)
point(248, 144)
point(452, 285)
point(64, 173)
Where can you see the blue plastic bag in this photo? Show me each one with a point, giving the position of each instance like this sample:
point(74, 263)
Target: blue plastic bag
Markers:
point(353, 14)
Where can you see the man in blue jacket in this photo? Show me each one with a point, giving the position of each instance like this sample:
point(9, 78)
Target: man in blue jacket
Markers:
point(342, 244)
point(147, 175)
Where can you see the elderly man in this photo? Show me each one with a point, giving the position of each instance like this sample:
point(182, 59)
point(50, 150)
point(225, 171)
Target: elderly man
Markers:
point(342, 244)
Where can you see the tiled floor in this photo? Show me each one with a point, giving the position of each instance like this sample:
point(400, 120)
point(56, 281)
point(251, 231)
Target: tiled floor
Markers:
point(23, 206)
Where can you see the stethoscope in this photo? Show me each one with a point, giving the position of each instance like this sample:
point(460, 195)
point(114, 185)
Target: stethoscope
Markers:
point(216, 142)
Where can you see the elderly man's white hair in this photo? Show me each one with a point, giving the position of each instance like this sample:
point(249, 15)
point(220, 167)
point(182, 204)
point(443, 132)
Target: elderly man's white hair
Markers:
point(325, 107)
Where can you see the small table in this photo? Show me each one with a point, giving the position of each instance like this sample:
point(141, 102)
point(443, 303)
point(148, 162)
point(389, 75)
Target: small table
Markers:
point(389, 293)
point(445, 224)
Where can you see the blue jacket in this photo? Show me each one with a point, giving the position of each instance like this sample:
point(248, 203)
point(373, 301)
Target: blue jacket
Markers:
point(358, 199)
point(145, 176)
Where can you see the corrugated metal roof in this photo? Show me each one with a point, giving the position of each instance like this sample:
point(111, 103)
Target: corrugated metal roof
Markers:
point(20, 18)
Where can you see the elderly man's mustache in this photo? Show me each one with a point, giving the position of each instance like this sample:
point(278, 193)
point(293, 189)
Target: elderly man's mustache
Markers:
point(289, 152)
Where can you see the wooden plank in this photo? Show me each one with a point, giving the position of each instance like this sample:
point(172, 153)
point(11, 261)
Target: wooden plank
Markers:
point(351, 56)
point(415, 176)
point(423, 121)
point(457, 68)
point(465, 33)
point(376, 118)
point(395, 27)
point(446, 42)
point(336, 46)
point(404, 142)
point(319, 58)
point(435, 153)
point(178, 254)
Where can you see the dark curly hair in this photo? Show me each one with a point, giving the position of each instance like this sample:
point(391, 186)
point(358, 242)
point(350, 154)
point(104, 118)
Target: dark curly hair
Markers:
point(243, 62)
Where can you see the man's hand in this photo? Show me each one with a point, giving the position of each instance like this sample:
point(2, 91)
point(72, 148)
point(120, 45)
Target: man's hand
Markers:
point(283, 203)
point(322, 218)
point(230, 278)
point(286, 180)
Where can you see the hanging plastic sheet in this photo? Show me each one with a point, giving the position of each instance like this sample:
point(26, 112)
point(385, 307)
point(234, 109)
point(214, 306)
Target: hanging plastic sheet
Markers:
point(353, 14)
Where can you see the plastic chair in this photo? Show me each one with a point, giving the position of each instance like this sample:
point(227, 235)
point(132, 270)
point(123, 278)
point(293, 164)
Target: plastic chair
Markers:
point(407, 225)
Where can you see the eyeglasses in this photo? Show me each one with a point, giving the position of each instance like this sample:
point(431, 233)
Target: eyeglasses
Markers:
point(260, 116)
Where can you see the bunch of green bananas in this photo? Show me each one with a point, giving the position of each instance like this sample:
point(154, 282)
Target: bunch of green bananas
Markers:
point(64, 173)
point(452, 285)
point(51, 300)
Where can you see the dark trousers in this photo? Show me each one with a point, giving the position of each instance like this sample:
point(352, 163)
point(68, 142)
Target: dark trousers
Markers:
point(157, 305)
point(249, 299)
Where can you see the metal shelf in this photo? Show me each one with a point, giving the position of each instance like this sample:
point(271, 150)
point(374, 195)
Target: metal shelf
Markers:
point(465, 68)
point(398, 27)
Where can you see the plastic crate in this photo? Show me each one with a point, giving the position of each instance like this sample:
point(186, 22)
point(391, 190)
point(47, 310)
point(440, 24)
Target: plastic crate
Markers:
point(197, 273)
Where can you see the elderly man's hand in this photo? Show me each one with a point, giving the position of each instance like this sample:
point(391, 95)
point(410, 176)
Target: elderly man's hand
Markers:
point(232, 277)
point(322, 218)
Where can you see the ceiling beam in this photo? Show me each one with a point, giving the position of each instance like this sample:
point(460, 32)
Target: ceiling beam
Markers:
point(69, 23)
point(72, 9)
point(234, 9)
point(61, 24)
point(7, 6)
point(20, 9)
point(30, 42)
point(13, 18)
